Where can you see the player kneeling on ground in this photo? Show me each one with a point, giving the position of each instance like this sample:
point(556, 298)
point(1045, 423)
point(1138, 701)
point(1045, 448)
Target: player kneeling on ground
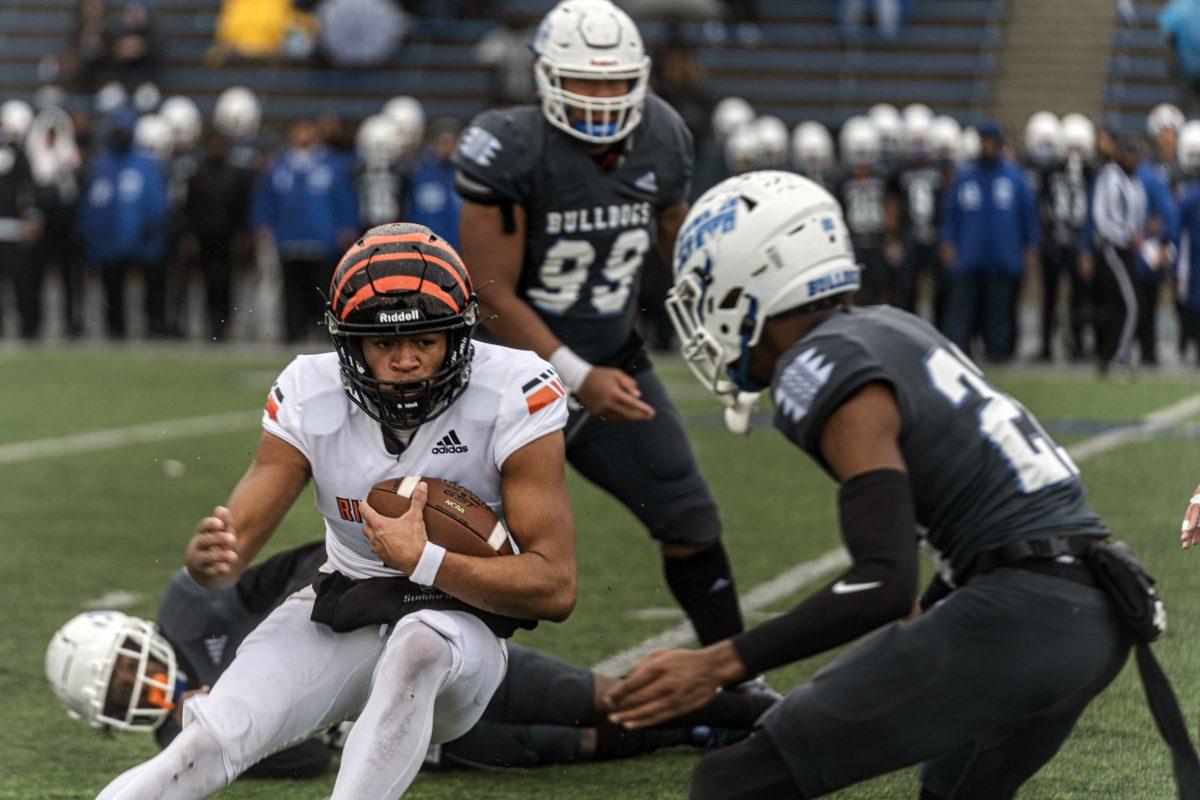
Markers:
point(985, 685)
point(118, 672)
point(414, 658)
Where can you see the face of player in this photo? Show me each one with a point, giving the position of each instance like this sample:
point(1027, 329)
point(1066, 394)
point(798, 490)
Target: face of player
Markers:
point(124, 676)
point(600, 89)
point(400, 359)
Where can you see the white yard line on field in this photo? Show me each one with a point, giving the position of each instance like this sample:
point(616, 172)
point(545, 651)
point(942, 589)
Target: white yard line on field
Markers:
point(802, 575)
point(146, 433)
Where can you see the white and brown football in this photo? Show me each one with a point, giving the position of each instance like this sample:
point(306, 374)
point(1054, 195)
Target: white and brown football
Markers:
point(454, 517)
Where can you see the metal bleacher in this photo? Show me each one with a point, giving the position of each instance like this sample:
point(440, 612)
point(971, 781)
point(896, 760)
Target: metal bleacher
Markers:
point(801, 69)
point(1139, 71)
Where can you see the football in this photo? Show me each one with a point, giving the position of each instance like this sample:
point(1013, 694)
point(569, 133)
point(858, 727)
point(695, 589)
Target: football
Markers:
point(454, 517)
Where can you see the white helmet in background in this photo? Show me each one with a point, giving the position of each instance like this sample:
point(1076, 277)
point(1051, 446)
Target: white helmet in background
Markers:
point(1164, 115)
point(1189, 147)
point(110, 97)
point(889, 126)
point(1044, 142)
point(590, 40)
point(743, 151)
point(408, 117)
point(918, 119)
point(751, 247)
point(183, 115)
point(80, 664)
point(1079, 135)
point(944, 134)
point(812, 148)
point(968, 145)
point(859, 142)
point(153, 134)
point(376, 141)
point(772, 140)
point(15, 118)
point(730, 113)
point(237, 113)
point(146, 97)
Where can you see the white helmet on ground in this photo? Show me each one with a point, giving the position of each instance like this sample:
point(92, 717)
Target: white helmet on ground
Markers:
point(377, 141)
point(730, 113)
point(590, 40)
point(237, 113)
point(408, 116)
point(812, 148)
point(859, 142)
point(15, 118)
point(944, 134)
point(183, 115)
point(889, 125)
point(772, 140)
point(1044, 141)
point(83, 657)
point(1164, 115)
point(1189, 147)
point(751, 247)
point(1079, 135)
point(743, 150)
point(968, 145)
point(153, 134)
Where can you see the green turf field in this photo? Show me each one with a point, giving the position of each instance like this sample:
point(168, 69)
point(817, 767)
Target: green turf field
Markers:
point(97, 519)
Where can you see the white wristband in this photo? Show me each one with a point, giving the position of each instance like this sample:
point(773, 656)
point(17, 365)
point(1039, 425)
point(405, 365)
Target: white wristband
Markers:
point(428, 565)
point(571, 368)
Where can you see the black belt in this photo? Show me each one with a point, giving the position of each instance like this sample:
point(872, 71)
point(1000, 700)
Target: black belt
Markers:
point(1036, 555)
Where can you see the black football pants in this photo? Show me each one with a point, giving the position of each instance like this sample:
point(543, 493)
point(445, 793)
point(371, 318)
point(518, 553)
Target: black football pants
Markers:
point(982, 690)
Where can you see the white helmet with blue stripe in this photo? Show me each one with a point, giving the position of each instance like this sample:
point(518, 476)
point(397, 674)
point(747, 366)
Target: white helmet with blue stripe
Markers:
point(590, 40)
point(753, 246)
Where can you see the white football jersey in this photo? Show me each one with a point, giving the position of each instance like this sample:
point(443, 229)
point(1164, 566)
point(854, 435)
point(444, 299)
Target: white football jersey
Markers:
point(513, 398)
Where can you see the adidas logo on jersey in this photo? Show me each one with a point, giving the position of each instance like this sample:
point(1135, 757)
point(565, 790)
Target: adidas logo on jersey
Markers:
point(648, 182)
point(450, 443)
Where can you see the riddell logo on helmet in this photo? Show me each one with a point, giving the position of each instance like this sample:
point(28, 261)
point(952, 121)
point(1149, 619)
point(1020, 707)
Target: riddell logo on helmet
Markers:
point(407, 315)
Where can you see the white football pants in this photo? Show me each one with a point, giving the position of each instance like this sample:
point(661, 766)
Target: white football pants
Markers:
point(427, 682)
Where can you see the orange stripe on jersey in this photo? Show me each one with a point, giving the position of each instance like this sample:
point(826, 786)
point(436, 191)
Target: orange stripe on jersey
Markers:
point(541, 398)
point(399, 257)
point(393, 282)
point(272, 408)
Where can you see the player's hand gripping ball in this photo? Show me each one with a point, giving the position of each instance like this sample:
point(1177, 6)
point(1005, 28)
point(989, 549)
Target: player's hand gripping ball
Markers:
point(454, 517)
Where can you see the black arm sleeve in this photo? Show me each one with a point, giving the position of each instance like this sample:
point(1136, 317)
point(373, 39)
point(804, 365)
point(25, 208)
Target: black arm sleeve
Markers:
point(879, 528)
point(264, 585)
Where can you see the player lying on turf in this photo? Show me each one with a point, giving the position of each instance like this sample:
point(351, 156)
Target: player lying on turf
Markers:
point(546, 711)
point(985, 686)
point(414, 658)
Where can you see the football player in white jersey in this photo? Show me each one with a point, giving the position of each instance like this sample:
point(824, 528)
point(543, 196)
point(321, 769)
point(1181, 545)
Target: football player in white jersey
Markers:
point(410, 643)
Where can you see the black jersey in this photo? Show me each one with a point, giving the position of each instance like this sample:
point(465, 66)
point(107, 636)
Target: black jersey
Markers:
point(1063, 201)
point(205, 626)
point(919, 189)
point(862, 200)
point(590, 220)
point(983, 471)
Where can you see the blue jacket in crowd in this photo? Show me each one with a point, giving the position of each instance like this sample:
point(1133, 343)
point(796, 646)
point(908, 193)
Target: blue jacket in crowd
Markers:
point(990, 216)
point(1187, 270)
point(307, 201)
point(1159, 203)
point(123, 212)
point(431, 199)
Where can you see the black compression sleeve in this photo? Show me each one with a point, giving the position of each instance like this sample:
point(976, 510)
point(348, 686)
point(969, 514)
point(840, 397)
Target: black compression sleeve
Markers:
point(879, 528)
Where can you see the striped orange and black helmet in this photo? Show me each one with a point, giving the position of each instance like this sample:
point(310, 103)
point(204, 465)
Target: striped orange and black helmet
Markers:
point(400, 280)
